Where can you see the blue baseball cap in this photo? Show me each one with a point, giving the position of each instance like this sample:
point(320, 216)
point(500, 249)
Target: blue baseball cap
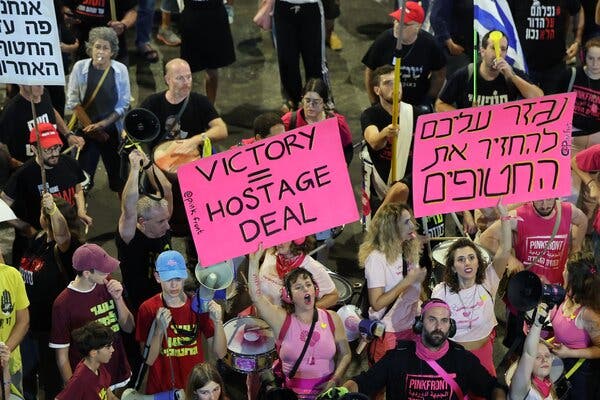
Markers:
point(170, 265)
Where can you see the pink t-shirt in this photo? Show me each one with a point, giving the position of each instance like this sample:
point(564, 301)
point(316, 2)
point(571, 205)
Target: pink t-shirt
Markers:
point(568, 330)
point(532, 235)
point(380, 273)
point(472, 308)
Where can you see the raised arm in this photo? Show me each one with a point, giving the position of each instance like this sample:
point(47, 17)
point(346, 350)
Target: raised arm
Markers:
point(505, 245)
point(521, 380)
point(130, 196)
point(579, 224)
point(272, 314)
point(60, 230)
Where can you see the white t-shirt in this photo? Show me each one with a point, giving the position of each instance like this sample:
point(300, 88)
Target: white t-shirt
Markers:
point(380, 273)
point(271, 283)
point(472, 308)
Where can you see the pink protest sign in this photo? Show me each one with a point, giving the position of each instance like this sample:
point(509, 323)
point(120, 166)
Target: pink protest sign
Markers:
point(466, 159)
point(269, 192)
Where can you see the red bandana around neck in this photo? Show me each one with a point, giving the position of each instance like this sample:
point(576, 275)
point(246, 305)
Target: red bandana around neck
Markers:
point(285, 264)
point(542, 385)
point(425, 353)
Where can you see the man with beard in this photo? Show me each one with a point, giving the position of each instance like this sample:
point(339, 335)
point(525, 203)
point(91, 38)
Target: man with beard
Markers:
point(23, 191)
point(431, 366)
point(537, 249)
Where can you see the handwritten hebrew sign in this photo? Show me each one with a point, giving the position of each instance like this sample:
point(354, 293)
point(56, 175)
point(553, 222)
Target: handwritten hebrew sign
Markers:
point(466, 159)
point(271, 191)
point(29, 44)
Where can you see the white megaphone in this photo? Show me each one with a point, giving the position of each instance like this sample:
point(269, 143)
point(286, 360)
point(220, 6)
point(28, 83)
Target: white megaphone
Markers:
point(354, 325)
point(132, 394)
point(211, 279)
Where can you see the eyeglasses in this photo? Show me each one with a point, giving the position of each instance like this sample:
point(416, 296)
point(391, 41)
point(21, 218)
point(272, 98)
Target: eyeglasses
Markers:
point(53, 150)
point(312, 102)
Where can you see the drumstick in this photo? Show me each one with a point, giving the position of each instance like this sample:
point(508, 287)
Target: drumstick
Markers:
point(68, 149)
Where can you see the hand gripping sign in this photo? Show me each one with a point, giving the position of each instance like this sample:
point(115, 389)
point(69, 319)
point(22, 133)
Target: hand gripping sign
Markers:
point(466, 159)
point(268, 192)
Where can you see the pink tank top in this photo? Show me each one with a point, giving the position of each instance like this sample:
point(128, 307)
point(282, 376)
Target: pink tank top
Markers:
point(532, 235)
point(318, 363)
point(565, 330)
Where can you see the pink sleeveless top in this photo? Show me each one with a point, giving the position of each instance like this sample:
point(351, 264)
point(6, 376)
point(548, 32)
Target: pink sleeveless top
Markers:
point(318, 364)
point(532, 235)
point(567, 332)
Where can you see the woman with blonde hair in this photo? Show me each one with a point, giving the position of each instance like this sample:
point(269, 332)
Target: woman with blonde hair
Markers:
point(390, 255)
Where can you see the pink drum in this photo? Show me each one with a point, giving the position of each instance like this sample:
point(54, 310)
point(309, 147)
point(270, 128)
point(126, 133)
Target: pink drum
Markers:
point(250, 344)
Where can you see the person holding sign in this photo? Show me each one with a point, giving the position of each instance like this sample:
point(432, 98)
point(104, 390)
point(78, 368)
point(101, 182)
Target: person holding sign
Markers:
point(497, 81)
point(470, 288)
point(312, 110)
point(98, 94)
point(311, 344)
point(390, 255)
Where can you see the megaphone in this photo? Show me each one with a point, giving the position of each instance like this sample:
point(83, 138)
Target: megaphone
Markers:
point(141, 125)
point(132, 394)
point(354, 325)
point(213, 278)
point(525, 291)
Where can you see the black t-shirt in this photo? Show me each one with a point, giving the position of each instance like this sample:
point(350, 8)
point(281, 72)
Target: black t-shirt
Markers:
point(542, 29)
point(405, 376)
point(106, 99)
point(45, 279)
point(378, 116)
point(16, 121)
point(586, 117)
point(458, 90)
point(418, 61)
point(94, 13)
point(137, 265)
point(25, 187)
point(194, 120)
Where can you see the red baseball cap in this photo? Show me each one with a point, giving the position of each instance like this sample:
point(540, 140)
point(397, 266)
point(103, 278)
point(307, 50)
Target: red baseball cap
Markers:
point(48, 135)
point(91, 256)
point(414, 12)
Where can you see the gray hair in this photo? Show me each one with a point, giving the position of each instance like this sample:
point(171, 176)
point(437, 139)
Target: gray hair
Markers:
point(103, 33)
point(145, 205)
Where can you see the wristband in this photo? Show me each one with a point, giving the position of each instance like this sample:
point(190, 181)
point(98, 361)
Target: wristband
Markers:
point(590, 181)
point(147, 166)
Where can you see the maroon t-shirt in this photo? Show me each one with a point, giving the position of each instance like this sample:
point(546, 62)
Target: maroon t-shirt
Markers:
point(86, 385)
point(73, 309)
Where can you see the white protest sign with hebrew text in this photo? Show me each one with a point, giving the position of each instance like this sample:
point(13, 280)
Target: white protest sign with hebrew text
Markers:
point(29, 44)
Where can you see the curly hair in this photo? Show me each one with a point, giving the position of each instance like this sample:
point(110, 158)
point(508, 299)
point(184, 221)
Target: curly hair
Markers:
point(583, 282)
point(384, 235)
point(289, 279)
point(103, 33)
point(451, 277)
point(200, 375)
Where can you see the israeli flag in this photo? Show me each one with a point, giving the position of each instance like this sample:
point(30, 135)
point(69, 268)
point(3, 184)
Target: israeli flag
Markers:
point(495, 14)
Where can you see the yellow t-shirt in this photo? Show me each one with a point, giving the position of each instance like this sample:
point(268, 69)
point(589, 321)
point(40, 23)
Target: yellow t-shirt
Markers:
point(12, 298)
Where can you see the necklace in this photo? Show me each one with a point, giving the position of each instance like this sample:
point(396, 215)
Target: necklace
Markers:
point(466, 313)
